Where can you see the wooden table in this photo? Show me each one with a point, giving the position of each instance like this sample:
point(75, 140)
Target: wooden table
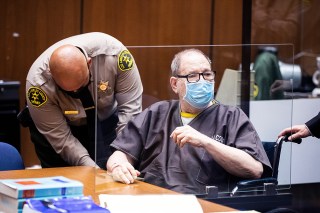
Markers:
point(97, 182)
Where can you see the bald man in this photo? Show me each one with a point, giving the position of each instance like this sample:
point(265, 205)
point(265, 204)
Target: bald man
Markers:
point(69, 67)
point(80, 93)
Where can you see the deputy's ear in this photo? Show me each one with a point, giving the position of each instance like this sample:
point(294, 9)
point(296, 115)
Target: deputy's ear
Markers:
point(89, 61)
point(173, 83)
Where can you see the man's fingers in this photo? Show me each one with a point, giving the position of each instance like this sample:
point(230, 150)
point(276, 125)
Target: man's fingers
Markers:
point(133, 173)
point(125, 174)
point(138, 173)
point(129, 177)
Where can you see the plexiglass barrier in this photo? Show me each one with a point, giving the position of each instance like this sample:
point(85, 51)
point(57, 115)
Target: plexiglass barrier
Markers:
point(272, 77)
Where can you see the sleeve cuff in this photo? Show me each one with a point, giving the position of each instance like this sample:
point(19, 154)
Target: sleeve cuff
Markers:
point(310, 133)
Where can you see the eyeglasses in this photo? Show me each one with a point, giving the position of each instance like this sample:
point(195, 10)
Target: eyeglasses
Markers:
point(195, 77)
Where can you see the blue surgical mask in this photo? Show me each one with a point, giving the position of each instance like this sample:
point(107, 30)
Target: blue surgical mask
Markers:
point(199, 94)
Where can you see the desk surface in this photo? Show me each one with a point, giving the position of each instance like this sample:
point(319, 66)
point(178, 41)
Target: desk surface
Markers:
point(98, 182)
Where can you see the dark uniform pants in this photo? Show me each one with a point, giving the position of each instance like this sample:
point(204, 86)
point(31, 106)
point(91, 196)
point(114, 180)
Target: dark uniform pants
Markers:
point(106, 133)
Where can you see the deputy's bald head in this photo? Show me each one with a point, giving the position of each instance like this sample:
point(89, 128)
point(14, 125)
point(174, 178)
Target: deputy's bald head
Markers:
point(68, 67)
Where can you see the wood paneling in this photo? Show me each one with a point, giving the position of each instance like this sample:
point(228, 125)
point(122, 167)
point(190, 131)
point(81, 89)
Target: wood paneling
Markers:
point(227, 32)
point(28, 27)
point(310, 36)
point(276, 22)
point(152, 22)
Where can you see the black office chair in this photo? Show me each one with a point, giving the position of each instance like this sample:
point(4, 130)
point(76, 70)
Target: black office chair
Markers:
point(10, 158)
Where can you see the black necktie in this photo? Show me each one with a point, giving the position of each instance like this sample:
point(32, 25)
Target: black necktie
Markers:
point(88, 105)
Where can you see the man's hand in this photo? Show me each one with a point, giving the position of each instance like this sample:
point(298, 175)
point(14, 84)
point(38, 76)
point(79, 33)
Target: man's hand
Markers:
point(124, 173)
point(186, 134)
point(297, 131)
point(280, 85)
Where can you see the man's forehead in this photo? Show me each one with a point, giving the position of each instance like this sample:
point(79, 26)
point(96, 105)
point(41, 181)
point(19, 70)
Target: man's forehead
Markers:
point(194, 61)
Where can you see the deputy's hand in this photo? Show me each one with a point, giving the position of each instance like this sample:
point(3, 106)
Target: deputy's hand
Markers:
point(186, 134)
point(124, 173)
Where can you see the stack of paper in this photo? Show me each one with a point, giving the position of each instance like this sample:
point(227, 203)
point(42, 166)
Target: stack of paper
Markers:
point(150, 203)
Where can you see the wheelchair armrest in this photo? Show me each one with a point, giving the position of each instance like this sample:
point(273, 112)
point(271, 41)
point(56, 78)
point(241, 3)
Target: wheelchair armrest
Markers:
point(256, 182)
point(253, 184)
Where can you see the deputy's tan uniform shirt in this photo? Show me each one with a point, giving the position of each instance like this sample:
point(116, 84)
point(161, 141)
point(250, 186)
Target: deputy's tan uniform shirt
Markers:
point(117, 83)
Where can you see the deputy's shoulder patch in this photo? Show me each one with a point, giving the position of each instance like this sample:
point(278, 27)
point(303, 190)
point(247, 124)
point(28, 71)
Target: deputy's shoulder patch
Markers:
point(36, 96)
point(125, 60)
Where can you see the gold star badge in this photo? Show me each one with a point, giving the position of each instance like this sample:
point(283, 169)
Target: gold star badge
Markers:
point(103, 86)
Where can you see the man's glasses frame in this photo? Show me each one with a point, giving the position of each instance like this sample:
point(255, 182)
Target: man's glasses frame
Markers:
point(195, 77)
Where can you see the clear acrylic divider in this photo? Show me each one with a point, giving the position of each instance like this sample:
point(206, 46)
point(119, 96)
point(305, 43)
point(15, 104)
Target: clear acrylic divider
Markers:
point(269, 114)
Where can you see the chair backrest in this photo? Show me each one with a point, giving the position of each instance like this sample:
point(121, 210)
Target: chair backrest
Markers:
point(273, 150)
point(10, 158)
